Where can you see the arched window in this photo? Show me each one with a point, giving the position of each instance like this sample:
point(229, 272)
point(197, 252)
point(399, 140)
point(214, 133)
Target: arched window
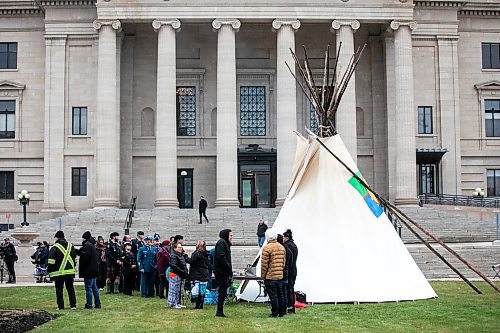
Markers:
point(147, 122)
point(360, 121)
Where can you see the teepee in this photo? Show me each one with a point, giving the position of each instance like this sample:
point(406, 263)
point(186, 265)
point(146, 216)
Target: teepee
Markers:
point(348, 248)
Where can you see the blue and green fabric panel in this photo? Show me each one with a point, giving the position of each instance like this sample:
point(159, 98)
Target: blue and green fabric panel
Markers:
point(369, 198)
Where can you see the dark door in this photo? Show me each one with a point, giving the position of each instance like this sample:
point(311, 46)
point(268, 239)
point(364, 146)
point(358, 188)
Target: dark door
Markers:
point(185, 188)
point(247, 190)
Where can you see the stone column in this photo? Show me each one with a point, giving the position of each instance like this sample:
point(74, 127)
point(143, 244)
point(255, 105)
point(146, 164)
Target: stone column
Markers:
point(107, 120)
point(346, 115)
point(449, 107)
point(53, 162)
point(379, 115)
point(227, 156)
point(406, 175)
point(286, 100)
point(166, 116)
point(390, 98)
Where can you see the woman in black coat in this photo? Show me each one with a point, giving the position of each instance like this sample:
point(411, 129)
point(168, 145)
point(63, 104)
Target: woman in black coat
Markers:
point(198, 273)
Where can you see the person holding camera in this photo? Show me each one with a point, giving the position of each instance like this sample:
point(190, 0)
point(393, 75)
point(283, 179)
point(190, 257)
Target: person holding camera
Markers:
point(10, 259)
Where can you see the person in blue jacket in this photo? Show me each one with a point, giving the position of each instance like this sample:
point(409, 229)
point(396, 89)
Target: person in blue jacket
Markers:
point(146, 260)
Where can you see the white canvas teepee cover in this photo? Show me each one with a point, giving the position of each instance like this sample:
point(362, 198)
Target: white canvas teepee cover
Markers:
point(348, 249)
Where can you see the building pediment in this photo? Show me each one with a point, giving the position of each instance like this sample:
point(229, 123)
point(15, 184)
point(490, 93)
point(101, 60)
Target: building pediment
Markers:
point(488, 85)
point(11, 85)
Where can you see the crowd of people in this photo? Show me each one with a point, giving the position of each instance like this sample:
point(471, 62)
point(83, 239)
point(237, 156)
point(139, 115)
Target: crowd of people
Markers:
point(156, 268)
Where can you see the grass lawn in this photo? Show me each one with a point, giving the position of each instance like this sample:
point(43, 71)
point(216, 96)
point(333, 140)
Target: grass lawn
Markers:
point(458, 309)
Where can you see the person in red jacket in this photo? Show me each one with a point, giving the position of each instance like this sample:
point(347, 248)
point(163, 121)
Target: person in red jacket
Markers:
point(163, 259)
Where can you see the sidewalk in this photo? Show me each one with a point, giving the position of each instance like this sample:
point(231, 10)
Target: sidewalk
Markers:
point(32, 284)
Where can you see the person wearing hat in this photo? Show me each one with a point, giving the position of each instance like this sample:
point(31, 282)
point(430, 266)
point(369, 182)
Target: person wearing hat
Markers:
point(10, 259)
point(137, 243)
point(146, 261)
point(113, 254)
point(163, 259)
point(89, 269)
point(273, 259)
point(129, 269)
point(61, 268)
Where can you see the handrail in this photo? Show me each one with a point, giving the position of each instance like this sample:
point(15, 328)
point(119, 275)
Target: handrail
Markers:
point(130, 214)
point(459, 200)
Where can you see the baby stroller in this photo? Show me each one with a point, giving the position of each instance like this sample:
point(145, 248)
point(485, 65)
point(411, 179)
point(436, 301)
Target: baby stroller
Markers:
point(41, 274)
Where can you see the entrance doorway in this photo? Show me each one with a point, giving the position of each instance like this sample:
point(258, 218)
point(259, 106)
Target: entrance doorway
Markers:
point(185, 188)
point(257, 177)
point(255, 186)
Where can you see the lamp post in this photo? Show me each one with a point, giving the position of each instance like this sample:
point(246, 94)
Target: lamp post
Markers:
point(24, 199)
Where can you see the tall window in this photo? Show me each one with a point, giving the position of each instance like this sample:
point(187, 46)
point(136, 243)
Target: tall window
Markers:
point(252, 110)
point(79, 181)
point(425, 120)
point(79, 120)
point(426, 179)
point(7, 119)
point(313, 119)
point(491, 55)
point(6, 185)
point(493, 182)
point(492, 117)
point(8, 55)
point(186, 111)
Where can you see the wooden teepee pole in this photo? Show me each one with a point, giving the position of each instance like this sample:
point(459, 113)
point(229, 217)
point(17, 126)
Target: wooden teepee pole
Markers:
point(398, 212)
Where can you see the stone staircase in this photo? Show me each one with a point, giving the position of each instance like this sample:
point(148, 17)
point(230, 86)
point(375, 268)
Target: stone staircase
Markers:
point(470, 237)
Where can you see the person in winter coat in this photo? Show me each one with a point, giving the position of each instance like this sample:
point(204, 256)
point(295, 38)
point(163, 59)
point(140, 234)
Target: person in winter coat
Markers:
point(129, 268)
point(113, 255)
point(282, 291)
point(146, 261)
point(89, 269)
point(163, 259)
point(261, 231)
point(223, 268)
point(103, 267)
point(137, 243)
point(198, 273)
point(10, 259)
point(292, 270)
point(40, 259)
point(202, 208)
point(178, 272)
point(272, 260)
point(61, 268)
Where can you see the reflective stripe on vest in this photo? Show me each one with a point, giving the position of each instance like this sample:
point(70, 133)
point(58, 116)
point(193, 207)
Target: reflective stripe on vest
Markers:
point(67, 258)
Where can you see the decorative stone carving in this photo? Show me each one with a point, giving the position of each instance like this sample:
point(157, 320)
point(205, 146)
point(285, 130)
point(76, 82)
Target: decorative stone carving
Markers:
point(218, 23)
point(278, 23)
point(396, 24)
point(115, 24)
point(174, 23)
point(336, 24)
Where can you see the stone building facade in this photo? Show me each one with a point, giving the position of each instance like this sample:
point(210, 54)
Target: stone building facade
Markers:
point(164, 100)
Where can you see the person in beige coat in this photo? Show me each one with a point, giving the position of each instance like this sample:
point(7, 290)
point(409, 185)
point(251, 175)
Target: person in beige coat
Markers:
point(273, 259)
